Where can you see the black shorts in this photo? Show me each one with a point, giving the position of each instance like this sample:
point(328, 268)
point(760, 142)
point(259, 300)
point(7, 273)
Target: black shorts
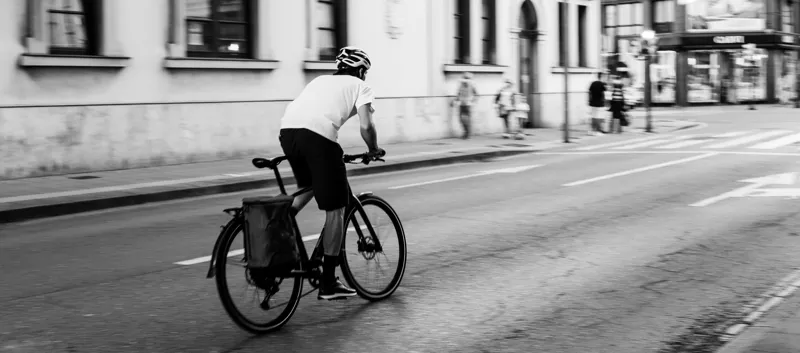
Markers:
point(317, 162)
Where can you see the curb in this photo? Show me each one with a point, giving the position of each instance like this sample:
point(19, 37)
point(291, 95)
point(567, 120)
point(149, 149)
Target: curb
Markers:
point(743, 334)
point(74, 207)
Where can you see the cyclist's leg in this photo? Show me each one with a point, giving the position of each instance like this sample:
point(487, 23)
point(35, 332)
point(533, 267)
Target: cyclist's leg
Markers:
point(299, 165)
point(332, 193)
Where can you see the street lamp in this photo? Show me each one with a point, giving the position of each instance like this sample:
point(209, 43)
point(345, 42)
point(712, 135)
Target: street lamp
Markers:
point(649, 49)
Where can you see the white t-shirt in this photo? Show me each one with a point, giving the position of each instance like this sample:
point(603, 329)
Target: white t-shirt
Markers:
point(326, 103)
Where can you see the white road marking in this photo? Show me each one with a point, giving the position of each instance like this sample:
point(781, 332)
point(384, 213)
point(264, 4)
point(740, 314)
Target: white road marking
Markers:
point(783, 141)
point(753, 184)
point(747, 139)
point(682, 144)
point(732, 153)
point(651, 143)
point(732, 134)
point(643, 169)
point(611, 144)
point(237, 252)
point(487, 172)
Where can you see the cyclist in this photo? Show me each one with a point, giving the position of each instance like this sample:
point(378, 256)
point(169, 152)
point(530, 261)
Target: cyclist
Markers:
point(309, 138)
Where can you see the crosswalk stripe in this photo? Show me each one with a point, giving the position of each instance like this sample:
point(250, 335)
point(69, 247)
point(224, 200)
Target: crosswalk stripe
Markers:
point(748, 139)
point(611, 144)
point(783, 141)
point(732, 134)
point(683, 144)
point(651, 143)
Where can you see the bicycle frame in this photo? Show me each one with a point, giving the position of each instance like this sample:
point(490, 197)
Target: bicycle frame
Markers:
point(306, 263)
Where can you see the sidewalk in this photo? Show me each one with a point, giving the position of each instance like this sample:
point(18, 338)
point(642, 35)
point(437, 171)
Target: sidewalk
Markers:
point(777, 332)
point(40, 197)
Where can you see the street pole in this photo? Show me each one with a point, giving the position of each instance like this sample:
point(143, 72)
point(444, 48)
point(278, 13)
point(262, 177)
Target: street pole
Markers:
point(565, 50)
point(648, 41)
point(648, 92)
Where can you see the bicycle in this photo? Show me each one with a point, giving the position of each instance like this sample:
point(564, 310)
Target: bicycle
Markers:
point(369, 247)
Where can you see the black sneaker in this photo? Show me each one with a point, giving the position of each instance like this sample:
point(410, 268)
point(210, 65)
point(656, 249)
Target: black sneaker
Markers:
point(334, 290)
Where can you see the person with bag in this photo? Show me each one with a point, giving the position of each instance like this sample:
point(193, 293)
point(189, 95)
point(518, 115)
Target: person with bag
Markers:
point(597, 101)
point(505, 108)
point(618, 106)
point(309, 139)
point(467, 96)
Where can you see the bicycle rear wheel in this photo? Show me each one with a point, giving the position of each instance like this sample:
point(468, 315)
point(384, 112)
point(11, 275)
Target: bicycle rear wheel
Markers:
point(360, 253)
point(261, 285)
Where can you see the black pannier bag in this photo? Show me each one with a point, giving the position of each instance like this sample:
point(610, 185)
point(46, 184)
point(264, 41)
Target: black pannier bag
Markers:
point(270, 239)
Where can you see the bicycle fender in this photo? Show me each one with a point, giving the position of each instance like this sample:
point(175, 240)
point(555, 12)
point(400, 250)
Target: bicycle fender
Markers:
point(364, 194)
point(226, 228)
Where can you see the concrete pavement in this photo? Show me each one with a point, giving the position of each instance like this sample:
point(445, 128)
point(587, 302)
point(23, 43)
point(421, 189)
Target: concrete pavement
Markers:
point(31, 198)
point(576, 251)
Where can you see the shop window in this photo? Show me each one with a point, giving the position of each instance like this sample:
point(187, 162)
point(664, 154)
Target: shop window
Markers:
point(74, 26)
point(488, 24)
point(461, 37)
point(562, 37)
point(714, 15)
point(582, 62)
point(787, 15)
point(218, 28)
point(663, 16)
point(331, 28)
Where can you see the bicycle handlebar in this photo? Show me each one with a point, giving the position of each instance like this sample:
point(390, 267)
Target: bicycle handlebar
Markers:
point(365, 157)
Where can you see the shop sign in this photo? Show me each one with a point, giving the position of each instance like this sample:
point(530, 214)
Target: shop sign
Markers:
point(728, 39)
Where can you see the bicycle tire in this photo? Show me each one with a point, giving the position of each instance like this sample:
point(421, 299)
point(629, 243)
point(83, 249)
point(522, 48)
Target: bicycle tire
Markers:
point(225, 297)
point(367, 200)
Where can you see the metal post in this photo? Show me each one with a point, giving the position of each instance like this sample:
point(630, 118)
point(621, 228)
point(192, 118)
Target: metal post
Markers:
point(565, 50)
point(649, 42)
point(648, 91)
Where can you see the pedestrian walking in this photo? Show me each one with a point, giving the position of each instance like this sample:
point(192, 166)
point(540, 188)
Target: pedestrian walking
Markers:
point(618, 107)
point(520, 114)
point(465, 98)
point(505, 110)
point(597, 101)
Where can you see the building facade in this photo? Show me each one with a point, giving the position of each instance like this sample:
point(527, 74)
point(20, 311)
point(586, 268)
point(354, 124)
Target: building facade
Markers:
point(107, 84)
point(701, 58)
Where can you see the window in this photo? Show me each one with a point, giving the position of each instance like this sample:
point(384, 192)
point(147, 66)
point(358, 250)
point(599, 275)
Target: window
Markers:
point(663, 16)
point(582, 36)
point(786, 11)
point(73, 26)
point(462, 36)
point(562, 29)
point(331, 28)
point(218, 28)
point(488, 25)
point(624, 20)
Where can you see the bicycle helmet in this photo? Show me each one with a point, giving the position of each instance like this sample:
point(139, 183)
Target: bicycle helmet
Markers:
point(353, 57)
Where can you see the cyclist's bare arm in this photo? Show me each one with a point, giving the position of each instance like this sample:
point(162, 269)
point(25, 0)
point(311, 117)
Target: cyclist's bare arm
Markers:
point(368, 132)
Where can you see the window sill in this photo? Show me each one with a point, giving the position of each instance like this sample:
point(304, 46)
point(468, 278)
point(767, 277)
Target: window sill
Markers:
point(220, 63)
point(475, 68)
point(48, 60)
point(319, 66)
point(574, 70)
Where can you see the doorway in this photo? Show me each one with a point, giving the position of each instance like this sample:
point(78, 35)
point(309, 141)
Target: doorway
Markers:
point(528, 62)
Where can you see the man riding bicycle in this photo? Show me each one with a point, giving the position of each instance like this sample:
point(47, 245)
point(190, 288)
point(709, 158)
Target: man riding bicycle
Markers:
point(309, 138)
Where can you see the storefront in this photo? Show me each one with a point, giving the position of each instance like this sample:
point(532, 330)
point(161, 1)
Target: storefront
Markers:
point(715, 68)
point(700, 56)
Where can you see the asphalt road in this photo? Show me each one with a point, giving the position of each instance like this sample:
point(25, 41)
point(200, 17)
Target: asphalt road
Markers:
point(546, 259)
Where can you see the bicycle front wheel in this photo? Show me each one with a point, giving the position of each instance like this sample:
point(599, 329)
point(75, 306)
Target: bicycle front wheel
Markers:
point(373, 263)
